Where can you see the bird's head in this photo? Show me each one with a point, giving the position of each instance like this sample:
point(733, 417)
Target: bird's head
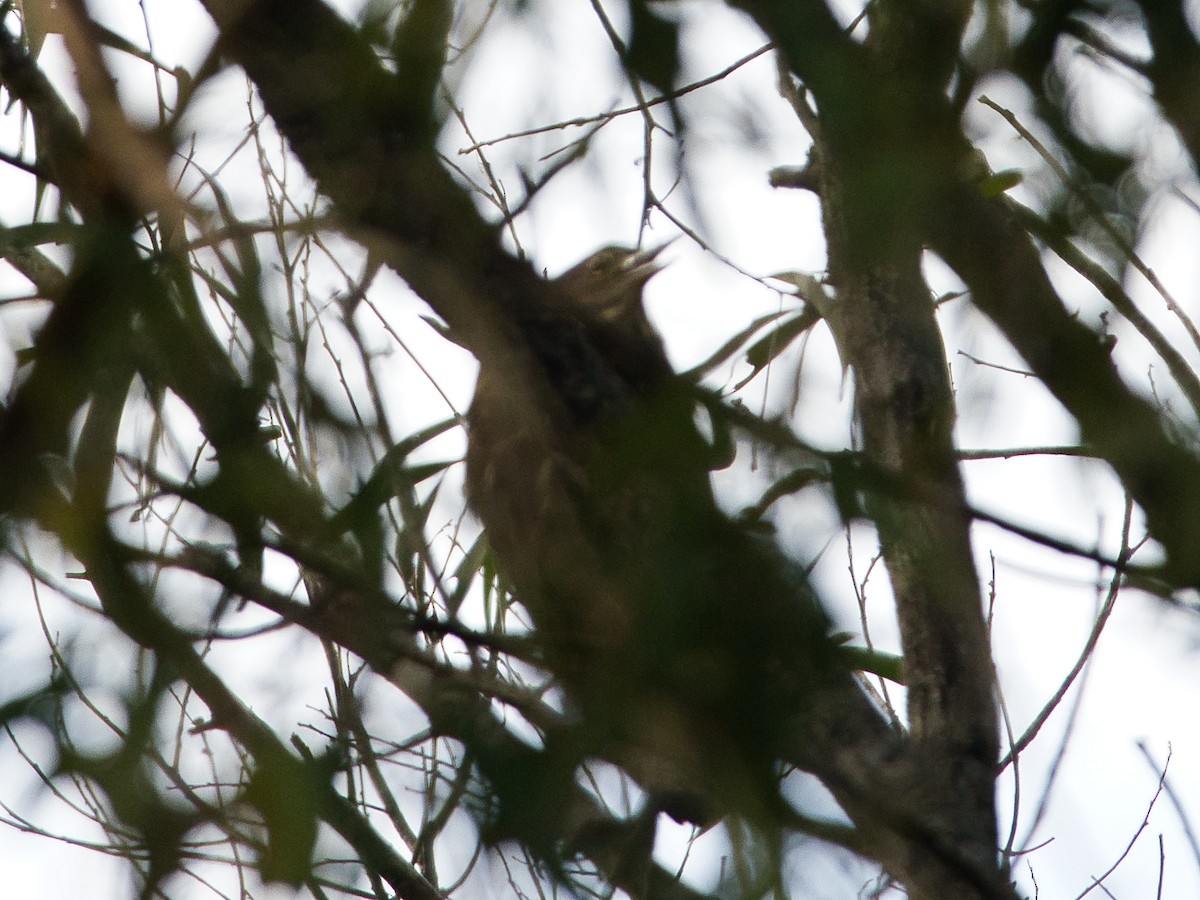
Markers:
point(607, 286)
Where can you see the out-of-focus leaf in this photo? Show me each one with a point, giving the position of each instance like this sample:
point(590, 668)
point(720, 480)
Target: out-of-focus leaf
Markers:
point(730, 347)
point(390, 475)
point(818, 304)
point(464, 576)
point(40, 705)
point(724, 447)
point(996, 184)
point(791, 483)
point(848, 482)
point(865, 659)
point(653, 53)
point(770, 345)
point(424, 471)
point(35, 233)
point(288, 798)
point(442, 328)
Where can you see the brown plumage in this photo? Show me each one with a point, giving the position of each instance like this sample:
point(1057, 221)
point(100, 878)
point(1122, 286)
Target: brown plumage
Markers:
point(566, 489)
point(686, 644)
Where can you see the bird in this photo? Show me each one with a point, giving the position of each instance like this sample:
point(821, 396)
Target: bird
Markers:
point(606, 295)
point(681, 640)
point(562, 489)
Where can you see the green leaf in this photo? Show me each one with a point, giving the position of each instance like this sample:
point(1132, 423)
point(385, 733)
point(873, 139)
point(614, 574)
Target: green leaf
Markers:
point(288, 799)
point(791, 483)
point(730, 347)
point(472, 564)
point(35, 233)
point(996, 184)
point(876, 662)
point(770, 345)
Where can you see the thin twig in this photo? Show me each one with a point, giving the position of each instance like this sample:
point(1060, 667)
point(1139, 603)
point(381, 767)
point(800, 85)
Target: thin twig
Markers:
point(1099, 882)
point(624, 110)
point(1098, 215)
point(1184, 819)
point(1089, 645)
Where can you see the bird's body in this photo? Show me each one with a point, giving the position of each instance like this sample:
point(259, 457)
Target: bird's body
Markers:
point(566, 491)
point(674, 632)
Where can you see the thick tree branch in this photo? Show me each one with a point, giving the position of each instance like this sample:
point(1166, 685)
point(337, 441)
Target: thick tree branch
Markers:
point(926, 182)
point(877, 157)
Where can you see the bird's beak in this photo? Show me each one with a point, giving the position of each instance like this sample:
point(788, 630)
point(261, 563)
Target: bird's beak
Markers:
point(642, 265)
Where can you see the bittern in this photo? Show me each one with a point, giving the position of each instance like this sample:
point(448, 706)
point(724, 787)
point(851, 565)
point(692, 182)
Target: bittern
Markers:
point(680, 638)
